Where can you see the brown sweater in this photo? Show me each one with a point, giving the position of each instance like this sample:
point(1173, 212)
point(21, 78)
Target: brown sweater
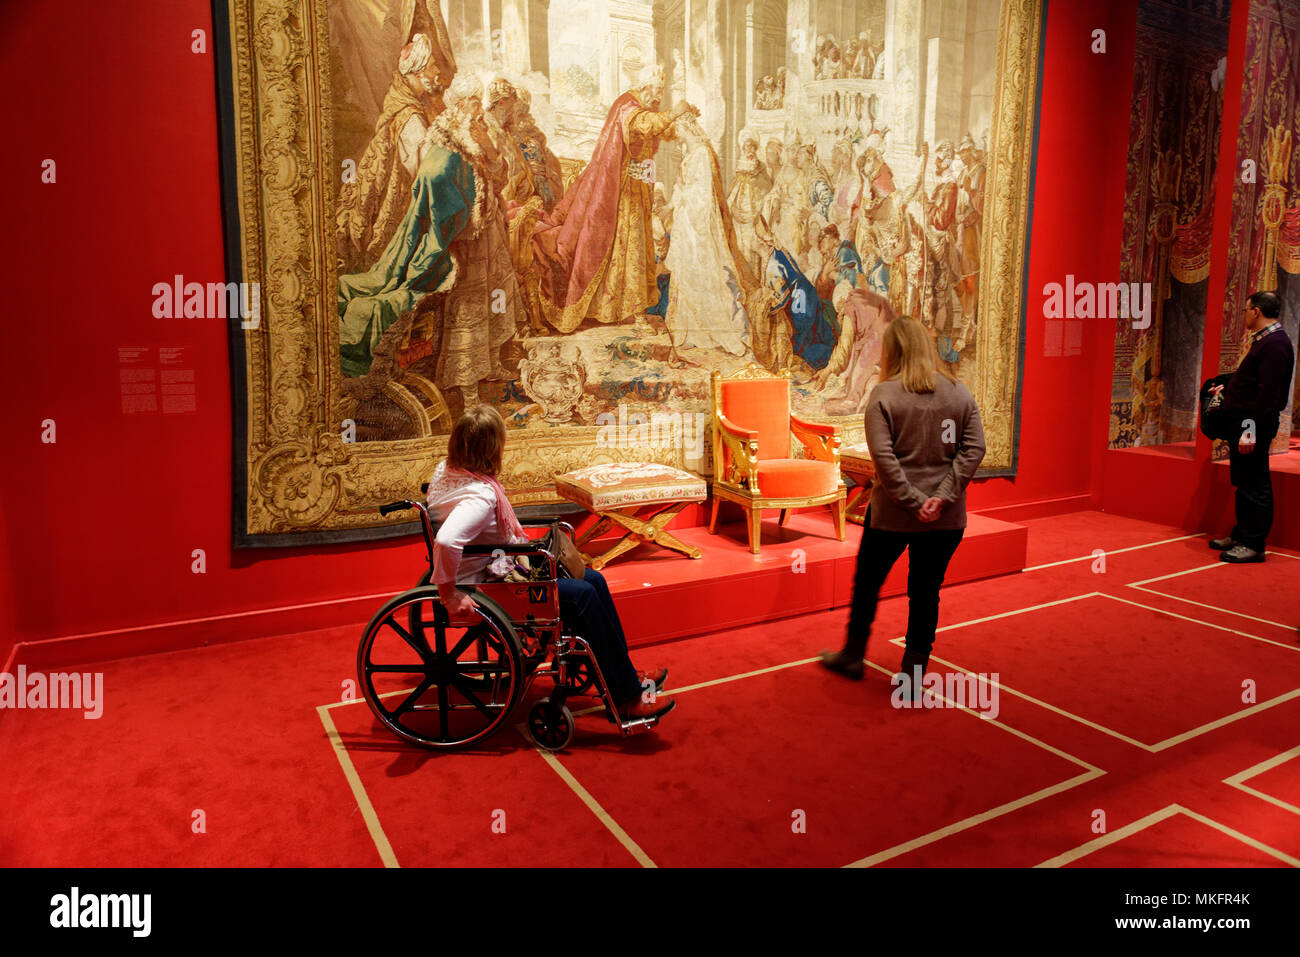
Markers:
point(922, 445)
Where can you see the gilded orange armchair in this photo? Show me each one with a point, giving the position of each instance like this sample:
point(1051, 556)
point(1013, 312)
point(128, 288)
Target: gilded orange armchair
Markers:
point(752, 462)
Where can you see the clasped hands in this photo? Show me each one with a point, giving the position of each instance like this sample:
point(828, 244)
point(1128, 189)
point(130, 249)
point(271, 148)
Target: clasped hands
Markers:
point(931, 509)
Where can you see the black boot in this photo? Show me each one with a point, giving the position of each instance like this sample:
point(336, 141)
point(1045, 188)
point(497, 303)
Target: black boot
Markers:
point(910, 672)
point(846, 663)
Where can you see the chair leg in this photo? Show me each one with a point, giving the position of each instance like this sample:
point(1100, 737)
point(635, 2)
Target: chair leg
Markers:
point(755, 526)
point(785, 513)
point(713, 516)
point(838, 508)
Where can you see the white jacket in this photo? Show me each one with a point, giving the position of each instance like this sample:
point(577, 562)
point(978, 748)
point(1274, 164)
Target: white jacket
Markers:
point(466, 509)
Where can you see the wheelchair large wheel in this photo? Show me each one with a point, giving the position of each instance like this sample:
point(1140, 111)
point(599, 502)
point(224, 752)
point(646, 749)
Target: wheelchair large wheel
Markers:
point(436, 684)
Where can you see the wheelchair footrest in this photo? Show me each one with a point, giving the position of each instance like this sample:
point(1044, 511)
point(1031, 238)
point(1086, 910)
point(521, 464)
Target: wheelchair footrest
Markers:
point(639, 725)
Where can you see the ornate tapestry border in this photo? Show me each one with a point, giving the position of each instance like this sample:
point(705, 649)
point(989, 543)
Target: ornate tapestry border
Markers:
point(296, 481)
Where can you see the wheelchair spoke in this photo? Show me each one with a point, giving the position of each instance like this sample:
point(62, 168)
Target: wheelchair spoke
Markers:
point(444, 709)
point(406, 637)
point(409, 701)
point(419, 669)
point(471, 634)
point(473, 698)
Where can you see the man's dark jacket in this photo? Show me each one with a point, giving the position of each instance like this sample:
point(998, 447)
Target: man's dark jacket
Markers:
point(1257, 391)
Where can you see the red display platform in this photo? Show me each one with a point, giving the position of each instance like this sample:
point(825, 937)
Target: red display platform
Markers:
point(802, 568)
point(1164, 484)
point(661, 594)
point(1221, 511)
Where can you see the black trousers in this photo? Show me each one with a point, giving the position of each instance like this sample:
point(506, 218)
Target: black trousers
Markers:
point(928, 557)
point(1254, 485)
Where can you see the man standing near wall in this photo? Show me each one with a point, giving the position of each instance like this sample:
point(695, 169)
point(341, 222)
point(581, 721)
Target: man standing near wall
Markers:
point(1252, 400)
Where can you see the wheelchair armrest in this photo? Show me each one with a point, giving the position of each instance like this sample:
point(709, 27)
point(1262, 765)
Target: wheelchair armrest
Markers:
point(524, 548)
point(536, 549)
point(565, 527)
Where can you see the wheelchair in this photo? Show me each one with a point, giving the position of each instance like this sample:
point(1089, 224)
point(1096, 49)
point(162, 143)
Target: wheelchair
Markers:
point(470, 675)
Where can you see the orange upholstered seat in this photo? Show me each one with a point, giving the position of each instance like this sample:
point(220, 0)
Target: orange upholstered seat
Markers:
point(785, 478)
point(753, 465)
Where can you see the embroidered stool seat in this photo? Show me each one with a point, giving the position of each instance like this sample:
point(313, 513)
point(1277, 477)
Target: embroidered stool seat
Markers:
point(617, 491)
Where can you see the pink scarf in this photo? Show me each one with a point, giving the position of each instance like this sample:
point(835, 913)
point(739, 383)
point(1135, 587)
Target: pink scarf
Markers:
point(507, 521)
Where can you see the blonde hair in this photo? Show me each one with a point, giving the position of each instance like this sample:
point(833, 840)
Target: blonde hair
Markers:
point(477, 440)
point(907, 353)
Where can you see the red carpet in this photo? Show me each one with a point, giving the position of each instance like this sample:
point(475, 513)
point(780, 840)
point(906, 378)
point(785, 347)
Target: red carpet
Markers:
point(1136, 712)
point(1277, 783)
point(1265, 593)
point(1178, 840)
point(1132, 672)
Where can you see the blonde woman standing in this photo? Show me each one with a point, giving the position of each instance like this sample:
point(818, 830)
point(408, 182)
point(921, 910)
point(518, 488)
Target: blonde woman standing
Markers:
point(926, 441)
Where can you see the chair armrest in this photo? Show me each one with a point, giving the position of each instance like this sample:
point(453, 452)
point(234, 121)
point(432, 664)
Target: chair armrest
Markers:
point(731, 427)
point(821, 428)
point(821, 440)
point(742, 470)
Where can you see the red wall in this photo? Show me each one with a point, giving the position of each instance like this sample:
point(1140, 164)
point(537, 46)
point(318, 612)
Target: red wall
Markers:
point(1076, 228)
point(98, 528)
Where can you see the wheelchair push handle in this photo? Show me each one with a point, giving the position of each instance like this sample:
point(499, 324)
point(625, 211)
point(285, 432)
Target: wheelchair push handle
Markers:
point(425, 525)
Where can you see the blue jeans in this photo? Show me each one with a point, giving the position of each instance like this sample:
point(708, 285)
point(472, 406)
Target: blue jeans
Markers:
point(587, 609)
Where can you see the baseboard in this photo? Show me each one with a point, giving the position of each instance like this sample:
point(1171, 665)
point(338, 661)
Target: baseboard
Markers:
point(1043, 508)
point(197, 632)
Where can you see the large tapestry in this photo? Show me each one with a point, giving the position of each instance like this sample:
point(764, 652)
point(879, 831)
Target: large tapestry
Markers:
point(577, 211)
point(1178, 82)
point(1265, 249)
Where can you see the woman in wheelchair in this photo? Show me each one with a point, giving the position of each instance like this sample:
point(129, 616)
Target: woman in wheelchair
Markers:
point(473, 509)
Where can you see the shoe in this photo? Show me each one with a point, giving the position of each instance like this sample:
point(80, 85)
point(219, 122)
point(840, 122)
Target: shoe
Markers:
point(1240, 555)
point(658, 677)
point(908, 688)
point(1223, 544)
point(904, 679)
point(842, 664)
point(639, 709)
point(905, 688)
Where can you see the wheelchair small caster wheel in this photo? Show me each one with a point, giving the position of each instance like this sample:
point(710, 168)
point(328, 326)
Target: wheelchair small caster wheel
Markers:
point(579, 676)
point(551, 725)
